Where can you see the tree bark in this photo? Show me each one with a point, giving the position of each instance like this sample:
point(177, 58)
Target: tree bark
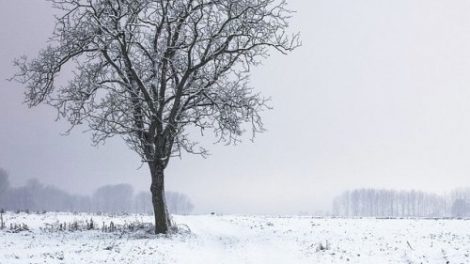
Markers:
point(162, 217)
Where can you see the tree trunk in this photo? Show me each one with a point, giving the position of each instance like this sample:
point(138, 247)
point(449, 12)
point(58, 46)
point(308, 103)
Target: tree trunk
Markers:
point(162, 217)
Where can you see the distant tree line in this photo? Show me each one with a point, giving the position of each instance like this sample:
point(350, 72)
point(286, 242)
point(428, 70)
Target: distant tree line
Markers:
point(392, 203)
point(461, 202)
point(35, 196)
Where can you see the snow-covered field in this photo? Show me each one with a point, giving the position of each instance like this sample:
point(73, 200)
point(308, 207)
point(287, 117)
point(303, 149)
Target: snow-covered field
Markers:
point(236, 239)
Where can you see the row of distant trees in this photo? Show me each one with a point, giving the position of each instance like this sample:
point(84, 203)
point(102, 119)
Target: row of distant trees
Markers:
point(392, 203)
point(121, 198)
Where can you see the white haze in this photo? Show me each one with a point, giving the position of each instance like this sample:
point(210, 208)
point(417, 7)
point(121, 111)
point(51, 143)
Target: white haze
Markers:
point(378, 96)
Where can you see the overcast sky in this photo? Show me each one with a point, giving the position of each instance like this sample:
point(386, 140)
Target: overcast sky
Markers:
point(378, 96)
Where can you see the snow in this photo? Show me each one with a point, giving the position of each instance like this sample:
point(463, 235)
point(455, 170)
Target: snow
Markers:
point(238, 239)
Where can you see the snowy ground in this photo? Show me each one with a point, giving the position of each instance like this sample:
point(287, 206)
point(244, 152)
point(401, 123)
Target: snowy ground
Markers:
point(238, 239)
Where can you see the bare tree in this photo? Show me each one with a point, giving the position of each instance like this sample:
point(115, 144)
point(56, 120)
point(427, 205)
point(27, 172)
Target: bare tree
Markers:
point(142, 202)
point(113, 198)
point(148, 70)
point(4, 186)
point(390, 203)
point(460, 208)
point(179, 203)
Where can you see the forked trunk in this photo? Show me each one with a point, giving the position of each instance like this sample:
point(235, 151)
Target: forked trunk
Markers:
point(162, 217)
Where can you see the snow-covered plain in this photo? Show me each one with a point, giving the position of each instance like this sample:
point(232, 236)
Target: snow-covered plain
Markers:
point(237, 239)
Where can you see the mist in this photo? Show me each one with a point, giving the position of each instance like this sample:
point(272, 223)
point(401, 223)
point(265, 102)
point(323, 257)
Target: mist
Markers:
point(377, 97)
point(35, 197)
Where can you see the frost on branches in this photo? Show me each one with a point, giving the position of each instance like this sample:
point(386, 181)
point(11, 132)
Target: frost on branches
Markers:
point(147, 70)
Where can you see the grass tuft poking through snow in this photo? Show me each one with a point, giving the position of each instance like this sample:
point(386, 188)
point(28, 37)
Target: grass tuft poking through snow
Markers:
point(84, 238)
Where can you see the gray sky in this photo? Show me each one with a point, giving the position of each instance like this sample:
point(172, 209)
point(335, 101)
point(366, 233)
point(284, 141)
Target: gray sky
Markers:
point(378, 96)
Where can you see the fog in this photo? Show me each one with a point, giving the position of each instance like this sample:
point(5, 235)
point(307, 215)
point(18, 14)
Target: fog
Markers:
point(378, 97)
